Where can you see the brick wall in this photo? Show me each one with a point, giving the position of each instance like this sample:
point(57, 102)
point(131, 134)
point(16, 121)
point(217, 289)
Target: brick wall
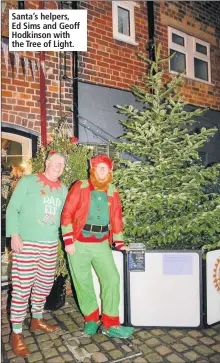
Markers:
point(110, 62)
point(21, 92)
point(113, 63)
point(199, 19)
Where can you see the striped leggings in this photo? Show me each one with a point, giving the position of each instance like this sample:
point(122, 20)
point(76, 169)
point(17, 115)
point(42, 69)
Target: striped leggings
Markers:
point(32, 275)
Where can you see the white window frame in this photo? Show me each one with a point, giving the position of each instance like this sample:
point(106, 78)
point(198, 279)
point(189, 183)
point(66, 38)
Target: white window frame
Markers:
point(130, 6)
point(26, 144)
point(189, 49)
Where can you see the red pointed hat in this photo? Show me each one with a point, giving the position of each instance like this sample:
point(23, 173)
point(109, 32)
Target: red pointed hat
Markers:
point(101, 159)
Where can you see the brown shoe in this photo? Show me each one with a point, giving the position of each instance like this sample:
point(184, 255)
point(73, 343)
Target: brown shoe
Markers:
point(40, 324)
point(18, 345)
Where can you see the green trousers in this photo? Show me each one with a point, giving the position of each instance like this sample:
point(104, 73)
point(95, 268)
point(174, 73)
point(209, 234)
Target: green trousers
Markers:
point(98, 255)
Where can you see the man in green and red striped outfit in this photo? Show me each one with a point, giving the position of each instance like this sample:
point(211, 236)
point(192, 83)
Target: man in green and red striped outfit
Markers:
point(91, 220)
point(32, 222)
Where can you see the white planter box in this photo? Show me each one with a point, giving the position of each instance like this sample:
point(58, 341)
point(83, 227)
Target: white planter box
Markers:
point(175, 289)
point(168, 293)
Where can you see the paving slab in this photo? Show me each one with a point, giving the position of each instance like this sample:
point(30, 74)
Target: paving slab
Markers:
point(69, 344)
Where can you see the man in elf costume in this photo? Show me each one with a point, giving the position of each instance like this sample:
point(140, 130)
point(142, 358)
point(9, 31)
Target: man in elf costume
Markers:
point(91, 220)
point(32, 222)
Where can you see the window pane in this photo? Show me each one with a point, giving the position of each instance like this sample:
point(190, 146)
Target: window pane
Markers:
point(12, 147)
point(11, 153)
point(10, 161)
point(201, 48)
point(177, 39)
point(123, 21)
point(201, 69)
point(178, 62)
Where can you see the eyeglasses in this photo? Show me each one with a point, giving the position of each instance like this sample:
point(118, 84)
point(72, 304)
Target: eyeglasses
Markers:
point(104, 168)
point(57, 164)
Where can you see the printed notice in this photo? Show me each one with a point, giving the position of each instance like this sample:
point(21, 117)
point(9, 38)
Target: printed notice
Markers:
point(136, 261)
point(177, 264)
point(53, 30)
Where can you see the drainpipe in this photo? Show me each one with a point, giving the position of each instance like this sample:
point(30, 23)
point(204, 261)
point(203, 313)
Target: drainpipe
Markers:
point(151, 30)
point(42, 94)
point(75, 86)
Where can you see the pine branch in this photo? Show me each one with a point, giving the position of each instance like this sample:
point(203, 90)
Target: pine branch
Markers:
point(169, 197)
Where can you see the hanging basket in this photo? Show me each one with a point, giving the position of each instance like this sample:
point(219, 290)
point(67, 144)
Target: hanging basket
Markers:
point(56, 299)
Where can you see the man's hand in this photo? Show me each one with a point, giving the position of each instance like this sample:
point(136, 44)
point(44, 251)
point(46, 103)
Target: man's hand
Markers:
point(16, 243)
point(124, 248)
point(70, 249)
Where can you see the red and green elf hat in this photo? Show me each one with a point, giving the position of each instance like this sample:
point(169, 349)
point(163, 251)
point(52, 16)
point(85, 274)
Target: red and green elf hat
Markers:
point(101, 159)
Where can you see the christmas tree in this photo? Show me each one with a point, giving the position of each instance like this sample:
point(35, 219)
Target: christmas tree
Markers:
point(164, 186)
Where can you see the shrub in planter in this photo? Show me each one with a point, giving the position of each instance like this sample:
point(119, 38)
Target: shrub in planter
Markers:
point(76, 168)
point(165, 192)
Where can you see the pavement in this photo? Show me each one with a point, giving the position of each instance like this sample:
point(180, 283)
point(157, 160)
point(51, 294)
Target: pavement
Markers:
point(147, 345)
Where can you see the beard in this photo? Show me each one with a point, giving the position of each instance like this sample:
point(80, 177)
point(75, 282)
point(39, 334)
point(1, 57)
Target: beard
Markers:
point(100, 184)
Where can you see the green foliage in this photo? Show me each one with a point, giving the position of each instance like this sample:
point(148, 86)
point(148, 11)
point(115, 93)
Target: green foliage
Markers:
point(165, 195)
point(77, 155)
point(76, 168)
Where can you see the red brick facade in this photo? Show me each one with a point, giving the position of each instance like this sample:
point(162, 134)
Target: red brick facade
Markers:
point(113, 63)
point(21, 92)
point(109, 62)
point(198, 19)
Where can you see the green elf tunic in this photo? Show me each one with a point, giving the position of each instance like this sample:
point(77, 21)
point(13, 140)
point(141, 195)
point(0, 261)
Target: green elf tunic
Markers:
point(93, 249)
point(34, 213)
point(35, 208)
point(98, 214)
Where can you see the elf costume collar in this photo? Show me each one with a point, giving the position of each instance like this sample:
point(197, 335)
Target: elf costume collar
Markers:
point(46, 182)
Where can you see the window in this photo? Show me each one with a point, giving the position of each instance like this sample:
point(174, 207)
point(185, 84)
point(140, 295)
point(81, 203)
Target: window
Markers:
point(192, 55)
point(16, 151)
point(123, 21)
